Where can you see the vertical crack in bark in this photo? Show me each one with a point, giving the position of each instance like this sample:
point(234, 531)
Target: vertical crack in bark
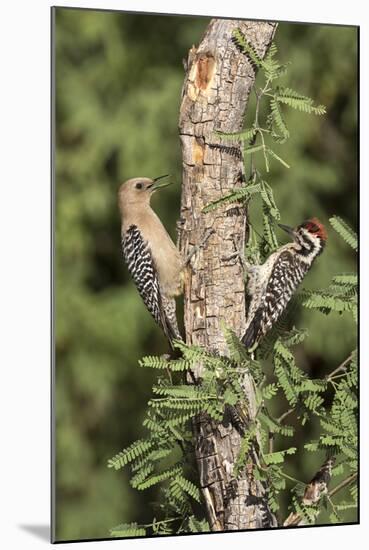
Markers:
point(214, 97)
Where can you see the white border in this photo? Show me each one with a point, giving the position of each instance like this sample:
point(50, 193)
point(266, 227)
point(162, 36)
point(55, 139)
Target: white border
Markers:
point(25, 244)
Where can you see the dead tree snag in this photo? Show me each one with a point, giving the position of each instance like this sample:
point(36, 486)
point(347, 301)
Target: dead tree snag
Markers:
point(215, 94)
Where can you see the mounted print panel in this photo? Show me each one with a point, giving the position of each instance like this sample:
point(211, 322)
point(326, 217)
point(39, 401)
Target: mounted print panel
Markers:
point(205, 275)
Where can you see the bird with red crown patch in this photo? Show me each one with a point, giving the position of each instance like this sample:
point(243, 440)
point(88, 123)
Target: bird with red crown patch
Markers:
point(271, 285)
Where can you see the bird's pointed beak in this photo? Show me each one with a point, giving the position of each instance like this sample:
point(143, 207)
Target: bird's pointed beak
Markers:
point(287, 228)
point(155, 186)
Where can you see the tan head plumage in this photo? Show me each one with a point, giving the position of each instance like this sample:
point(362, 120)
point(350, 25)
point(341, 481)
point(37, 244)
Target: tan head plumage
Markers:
point(136, 192)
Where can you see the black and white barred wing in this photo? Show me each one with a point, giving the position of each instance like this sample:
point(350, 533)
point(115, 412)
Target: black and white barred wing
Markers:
point(286, 275)
point(141, 266)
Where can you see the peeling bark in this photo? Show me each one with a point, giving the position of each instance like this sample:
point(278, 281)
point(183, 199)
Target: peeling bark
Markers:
point(215, 95)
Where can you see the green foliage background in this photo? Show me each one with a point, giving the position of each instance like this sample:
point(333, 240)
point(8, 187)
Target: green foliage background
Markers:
point(118, 86)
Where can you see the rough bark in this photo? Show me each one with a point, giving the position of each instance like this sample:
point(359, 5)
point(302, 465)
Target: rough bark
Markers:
point(215, 94)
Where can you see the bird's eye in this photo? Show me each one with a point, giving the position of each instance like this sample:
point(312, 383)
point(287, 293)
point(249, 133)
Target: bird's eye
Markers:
point(138, 185)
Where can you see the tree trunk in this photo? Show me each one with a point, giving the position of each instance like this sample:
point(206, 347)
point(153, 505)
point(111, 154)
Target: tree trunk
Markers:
point(215, 94)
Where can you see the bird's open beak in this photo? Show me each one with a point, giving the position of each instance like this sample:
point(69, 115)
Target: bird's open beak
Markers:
point(156, 185)
point(286, 228)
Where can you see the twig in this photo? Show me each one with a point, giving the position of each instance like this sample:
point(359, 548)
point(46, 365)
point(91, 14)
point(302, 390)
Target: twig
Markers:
point(342, 366)
point(333, 506)
point(271, 442)
point(259, 94)
point(284, 415)
point(343, 484)
point(283, 474)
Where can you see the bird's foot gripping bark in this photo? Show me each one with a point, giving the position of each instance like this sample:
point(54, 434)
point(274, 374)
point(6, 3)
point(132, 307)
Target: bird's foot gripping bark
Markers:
point(196, 248)
point(239, 256)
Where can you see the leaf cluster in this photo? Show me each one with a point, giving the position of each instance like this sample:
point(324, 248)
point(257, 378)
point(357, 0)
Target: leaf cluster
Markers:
point(164, 455)
point(341, 295)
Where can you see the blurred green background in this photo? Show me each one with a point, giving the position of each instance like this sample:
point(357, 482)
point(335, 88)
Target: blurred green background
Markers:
point(118, 86)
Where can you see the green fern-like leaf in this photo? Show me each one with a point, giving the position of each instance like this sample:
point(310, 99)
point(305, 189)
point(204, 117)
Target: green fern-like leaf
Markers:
point(266, 193)
point(272, 52)
point(188, 487)
point(273, 69)
point(154, 362)
point(346, 506)
point(246, 445)
point(283, 362)
point(236, 348)
point(193, 405)
point(241, 357)
point(172, 419)
point(294, 337)
point(268, 231)
point(311, 385)
point(198, 526)
point(128, 530)
point(278, 457)
point(277, 157)
point(274, 426)
point(215, 410)
point(350, 452)
point(253, 149)
point(177, 494)
point(159, 478)
point(278, 120)
point(154, 456)
point(308, 513)
point(314, 402)
point(192, 354)
point(141, 475)
point(245, 135)
point(330, 427)
point(326, 301)
point(353, 489)
point(138, 448)
point(183, 391)
point(273, 502)
point(269, 391)
point(239, 195)
point(346, 279)
point(338, 470)
point(297, 101)
point(246, 48)
point(345, 231)
point(312, 446)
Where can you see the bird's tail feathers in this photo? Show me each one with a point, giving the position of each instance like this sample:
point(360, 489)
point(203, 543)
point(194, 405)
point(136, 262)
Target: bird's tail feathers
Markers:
point(251, 335)
point(169, 320)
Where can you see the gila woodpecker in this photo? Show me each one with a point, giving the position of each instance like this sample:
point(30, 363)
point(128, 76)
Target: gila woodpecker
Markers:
point(272, 284)
point(152, 258)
